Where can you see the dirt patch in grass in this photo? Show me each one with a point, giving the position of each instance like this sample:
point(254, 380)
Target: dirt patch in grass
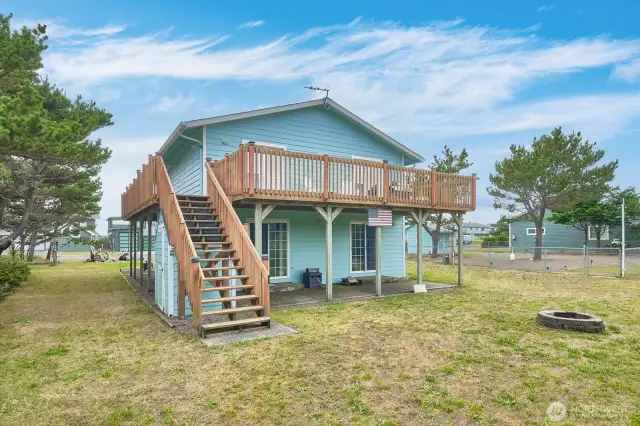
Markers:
point(78, 347)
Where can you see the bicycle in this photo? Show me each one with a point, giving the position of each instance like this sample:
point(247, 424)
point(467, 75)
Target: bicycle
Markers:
point(97, 256)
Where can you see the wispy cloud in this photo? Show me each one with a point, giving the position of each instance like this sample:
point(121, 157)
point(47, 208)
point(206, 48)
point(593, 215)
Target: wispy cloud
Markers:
point(628, 72)
point(251, 24)
point(172, 104)
point(545, 8)
point(57, 30)
point(444, 78)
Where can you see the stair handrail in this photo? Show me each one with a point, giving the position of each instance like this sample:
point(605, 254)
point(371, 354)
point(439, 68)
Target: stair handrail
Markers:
point(240, 240)
point(190, 274)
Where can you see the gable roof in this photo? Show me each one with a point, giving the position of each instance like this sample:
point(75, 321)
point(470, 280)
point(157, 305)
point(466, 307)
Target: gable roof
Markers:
point(328, 102)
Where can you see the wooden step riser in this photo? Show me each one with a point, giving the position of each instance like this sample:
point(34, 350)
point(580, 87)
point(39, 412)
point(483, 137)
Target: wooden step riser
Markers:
point(225, 289)
point(249, 322)
point(252, 308)
point(230, 299)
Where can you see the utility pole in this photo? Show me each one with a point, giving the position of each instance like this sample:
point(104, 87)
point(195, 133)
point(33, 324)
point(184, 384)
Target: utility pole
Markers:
point(622, 259)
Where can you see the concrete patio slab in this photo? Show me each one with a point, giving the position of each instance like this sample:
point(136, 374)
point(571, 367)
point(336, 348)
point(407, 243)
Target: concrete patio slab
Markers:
point(229, 337)
point(315, 296)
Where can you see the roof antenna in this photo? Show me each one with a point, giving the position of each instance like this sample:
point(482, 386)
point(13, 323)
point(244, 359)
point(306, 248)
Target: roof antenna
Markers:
point(319, 89)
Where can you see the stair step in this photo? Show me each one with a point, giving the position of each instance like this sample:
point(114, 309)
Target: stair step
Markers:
point(218, 259)
point(216, 251)
point(227, 278)
point(233, 310)
point(198, 214)
point(190, 196)
point(208, 235)
point(227, 324)
point(230, 298)
point(200, 220)
point(226, 288)
point(206, 227)
point(222, 268)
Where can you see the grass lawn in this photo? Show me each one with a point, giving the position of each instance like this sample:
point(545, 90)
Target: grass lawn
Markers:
point(78, 347)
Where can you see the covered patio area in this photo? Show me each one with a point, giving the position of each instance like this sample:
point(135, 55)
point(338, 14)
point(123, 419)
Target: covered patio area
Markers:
point(288, 296)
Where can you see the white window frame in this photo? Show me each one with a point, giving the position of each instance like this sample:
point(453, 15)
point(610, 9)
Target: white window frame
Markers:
point(531, 232)
point(287, 221)
point(605, 235)
point(358, 222)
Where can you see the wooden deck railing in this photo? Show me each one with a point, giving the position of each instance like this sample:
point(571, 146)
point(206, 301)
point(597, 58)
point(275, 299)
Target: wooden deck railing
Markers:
point(142, 192)
point(240, 241)
point(190, 275)
point(272, 173)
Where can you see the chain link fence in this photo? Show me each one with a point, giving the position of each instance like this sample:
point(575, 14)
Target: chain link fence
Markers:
point(632, 262)
point(592, 261)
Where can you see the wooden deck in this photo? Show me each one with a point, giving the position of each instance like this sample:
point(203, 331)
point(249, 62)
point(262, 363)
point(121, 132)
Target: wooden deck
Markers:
point(272, 174)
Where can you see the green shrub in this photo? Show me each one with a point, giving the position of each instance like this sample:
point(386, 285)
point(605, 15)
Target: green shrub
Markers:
point(496, 241)
point(13, 272)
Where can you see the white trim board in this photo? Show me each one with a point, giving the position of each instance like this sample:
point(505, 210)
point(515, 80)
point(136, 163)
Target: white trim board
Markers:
point(329, 103)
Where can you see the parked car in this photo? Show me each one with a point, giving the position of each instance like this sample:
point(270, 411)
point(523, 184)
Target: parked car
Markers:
point(467, 239)
point(617, 243)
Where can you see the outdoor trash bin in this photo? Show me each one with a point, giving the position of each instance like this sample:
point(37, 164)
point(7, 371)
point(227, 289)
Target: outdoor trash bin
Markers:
point(312, 278)
point(445, 259)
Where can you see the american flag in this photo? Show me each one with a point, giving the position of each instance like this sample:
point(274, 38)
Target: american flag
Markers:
point(380, 217)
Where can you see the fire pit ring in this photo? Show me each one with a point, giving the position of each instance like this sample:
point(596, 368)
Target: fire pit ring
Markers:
point(574, 321)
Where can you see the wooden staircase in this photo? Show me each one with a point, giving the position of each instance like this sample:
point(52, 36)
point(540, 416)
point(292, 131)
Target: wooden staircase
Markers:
point(222, 305)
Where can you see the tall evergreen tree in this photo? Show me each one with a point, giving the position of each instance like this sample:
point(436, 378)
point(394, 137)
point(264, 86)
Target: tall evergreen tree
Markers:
point(556, 172)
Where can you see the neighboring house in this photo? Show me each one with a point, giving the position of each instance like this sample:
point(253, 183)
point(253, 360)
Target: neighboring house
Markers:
point(302, 179)
point(118, 234)
point(476, 229)
point(67, 244)
point(522, 235)
point(427, 243)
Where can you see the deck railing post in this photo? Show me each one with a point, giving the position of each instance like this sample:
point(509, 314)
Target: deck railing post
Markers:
point(473, 192)
point(325, 162)
point(385, 181)
point(251, 171)
point(434, 187)
point(227, 175)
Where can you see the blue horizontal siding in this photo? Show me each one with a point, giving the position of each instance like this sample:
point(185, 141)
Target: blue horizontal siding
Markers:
point(557, 235)
point(184, 164)
point(308, 244)
point(312, 130)
point(427, 242)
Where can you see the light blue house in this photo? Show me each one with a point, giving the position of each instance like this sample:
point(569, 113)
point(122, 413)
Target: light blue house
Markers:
point(427, 242)
point(305, 179)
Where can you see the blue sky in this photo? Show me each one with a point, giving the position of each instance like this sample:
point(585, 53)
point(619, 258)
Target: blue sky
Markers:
point(475, 75)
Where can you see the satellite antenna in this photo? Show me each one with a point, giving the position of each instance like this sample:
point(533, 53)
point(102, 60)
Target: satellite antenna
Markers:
point(319, 89)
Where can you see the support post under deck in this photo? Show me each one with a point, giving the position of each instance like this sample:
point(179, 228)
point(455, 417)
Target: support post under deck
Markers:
point(378, 261)
point(149, 223)
point(419, 247)
point(133, 250)
point(460, 250)
point(142, 251)
point(129, 248)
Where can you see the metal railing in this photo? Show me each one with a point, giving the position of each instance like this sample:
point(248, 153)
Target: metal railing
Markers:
point(591, 261)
